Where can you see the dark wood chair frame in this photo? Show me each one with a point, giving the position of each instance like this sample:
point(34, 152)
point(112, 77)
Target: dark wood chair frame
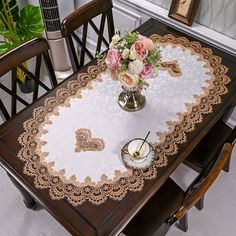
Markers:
point(10, 61)
point(186, 200)
point(84, 16)
point(223, 134)
point(37, 47)
point(201, 184)
point(220, 131)
point(4, 110)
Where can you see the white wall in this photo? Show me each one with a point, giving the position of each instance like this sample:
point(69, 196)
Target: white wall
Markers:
point(219, 15)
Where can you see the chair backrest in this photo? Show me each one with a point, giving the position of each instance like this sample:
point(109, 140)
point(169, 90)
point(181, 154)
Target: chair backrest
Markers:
point(15, 60)
point(232, 136)
point(4, 111)
point(202, 183)
point(75, 29)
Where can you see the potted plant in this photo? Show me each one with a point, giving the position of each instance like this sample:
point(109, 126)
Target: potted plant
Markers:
point(18, 26)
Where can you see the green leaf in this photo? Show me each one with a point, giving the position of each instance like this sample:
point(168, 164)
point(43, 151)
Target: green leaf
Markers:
point(29, 25)
point(10, 36)
point(153, 57)
point(4, 47)
point(129, 38)
point(21, 75)
point(9, 13)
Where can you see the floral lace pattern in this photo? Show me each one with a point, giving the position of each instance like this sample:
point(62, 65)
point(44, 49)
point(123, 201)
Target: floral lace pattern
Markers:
point(133, 180)
point(85, 142)
point(171, 66)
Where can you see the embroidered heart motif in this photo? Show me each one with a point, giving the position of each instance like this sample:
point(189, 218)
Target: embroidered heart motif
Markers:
point(85, 142)
point(171, 66)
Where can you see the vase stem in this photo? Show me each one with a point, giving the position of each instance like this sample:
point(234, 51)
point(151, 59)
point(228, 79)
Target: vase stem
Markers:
point(131, 100)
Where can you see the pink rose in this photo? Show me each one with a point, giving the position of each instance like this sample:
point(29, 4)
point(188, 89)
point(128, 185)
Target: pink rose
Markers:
point(147, 71)
point(140, 50)
point(148, 43)
point(113, 59)
point(141, 37)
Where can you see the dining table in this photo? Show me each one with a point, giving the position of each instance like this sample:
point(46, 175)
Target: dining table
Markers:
point(65, 148)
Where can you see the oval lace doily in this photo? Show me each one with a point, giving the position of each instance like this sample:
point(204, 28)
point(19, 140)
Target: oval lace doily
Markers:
point(56, 144)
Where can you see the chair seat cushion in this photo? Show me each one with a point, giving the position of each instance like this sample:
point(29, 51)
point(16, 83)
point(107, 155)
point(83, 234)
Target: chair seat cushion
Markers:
point(157, 210)
point(209, 147)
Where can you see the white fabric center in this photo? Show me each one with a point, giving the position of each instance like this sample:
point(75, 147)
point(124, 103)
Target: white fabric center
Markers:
point(99, 112)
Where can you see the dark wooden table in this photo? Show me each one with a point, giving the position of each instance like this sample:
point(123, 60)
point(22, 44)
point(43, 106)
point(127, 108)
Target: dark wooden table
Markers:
point(112, 216)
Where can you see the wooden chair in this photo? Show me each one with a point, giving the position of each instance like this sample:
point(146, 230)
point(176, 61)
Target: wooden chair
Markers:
point(75, 29)
point(171, 204)
point(10, 61)
point(4, 111)
point(210, 147)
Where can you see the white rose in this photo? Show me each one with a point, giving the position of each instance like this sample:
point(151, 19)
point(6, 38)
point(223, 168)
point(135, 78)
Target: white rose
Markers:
point(115, 38)
point(136, 66)
point(111, 45)
point(133, 55)
point(125, 53)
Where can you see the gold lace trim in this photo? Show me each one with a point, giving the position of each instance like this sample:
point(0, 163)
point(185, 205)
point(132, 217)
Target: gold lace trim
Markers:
point(171, 66)
point(85, 142)
point(76, 193)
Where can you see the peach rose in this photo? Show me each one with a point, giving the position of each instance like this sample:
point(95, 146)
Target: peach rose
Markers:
point(114, 74)
point(129, 80)
point(113, 59)
point(148, 43)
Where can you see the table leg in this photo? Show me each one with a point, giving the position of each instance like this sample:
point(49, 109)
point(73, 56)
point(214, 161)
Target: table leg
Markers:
point(27, 198)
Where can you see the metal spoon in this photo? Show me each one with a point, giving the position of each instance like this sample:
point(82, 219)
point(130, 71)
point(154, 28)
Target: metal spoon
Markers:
point(137, 153)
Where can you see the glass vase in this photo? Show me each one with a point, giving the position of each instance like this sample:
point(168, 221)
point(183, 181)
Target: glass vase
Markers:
point(131, 99)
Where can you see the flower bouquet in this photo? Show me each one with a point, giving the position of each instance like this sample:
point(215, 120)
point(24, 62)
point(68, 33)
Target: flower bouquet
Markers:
point(132, 60)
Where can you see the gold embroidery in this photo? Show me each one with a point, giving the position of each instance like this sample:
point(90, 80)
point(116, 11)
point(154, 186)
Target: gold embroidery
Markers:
point(171, 66)
point(85, 142)
point(77, 193)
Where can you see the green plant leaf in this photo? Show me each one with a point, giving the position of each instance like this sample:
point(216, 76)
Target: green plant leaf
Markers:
point(21, 75)
point(4, 47)
point(9, 13)
point(29, 25)
point(10, 37)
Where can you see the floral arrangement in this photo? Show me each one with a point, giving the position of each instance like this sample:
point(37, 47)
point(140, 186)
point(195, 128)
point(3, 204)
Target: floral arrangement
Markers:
point(132, 59)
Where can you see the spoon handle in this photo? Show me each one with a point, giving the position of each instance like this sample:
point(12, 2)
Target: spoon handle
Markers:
point(144, 140)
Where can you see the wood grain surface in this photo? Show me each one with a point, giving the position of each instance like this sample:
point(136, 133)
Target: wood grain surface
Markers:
point(112, 216)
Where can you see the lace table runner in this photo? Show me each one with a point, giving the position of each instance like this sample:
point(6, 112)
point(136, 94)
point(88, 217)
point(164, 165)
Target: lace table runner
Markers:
point(72, 144)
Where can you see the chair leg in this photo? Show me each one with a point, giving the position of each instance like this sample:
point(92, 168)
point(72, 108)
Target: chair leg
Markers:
point(183, 223)
point(199, 204)
point(227, 165)
point(29, 201)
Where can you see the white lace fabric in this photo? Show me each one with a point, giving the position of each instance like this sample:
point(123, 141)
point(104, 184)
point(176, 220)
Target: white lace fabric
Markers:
point(170, 107)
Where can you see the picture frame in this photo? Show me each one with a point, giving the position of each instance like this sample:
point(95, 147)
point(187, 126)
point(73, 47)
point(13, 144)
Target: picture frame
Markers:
point(184, 10)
